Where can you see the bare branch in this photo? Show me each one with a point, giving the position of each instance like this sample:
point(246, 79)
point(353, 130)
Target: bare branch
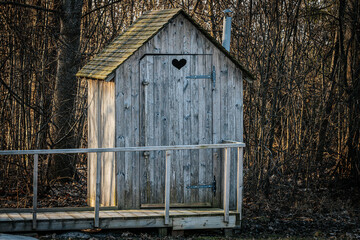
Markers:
point(96, 9)
point(27, 6)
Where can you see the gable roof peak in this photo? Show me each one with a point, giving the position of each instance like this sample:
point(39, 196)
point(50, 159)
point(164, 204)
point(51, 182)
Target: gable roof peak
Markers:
point(104, 64)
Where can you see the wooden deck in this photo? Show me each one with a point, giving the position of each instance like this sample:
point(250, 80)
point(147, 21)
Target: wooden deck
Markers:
point(180, 219)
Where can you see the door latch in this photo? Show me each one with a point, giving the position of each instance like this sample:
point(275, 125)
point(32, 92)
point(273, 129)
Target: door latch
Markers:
point(146, 154)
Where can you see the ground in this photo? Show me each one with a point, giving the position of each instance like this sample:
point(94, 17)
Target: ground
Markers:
point(319, 211)
point(304, 213)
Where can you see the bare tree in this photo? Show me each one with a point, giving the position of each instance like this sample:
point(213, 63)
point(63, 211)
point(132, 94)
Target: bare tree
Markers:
point(66, 86)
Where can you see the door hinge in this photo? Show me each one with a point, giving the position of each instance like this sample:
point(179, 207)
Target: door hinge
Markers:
point(212, 186)
point(199, 77)
point(212, 76)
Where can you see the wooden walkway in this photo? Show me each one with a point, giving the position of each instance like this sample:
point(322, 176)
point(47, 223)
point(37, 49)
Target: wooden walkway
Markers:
point(180, 219)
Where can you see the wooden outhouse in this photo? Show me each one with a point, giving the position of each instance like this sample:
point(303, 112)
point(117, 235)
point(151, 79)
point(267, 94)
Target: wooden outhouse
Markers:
point(164, 81)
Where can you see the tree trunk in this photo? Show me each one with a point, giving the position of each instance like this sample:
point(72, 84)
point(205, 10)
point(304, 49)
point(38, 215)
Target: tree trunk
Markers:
point(66, 87)
point(353, 72)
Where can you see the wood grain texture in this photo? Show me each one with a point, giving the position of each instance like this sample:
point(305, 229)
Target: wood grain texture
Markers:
point(171, 110)
point(107, 135)
point(167, 186)
point(177, 110)
point(189, 223)
point(226, 190)
point(93, 124)
point(101, 120)
point(97, 190)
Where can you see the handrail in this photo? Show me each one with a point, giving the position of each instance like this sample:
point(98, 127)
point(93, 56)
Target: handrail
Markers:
point(122, 149)
point(226, 145)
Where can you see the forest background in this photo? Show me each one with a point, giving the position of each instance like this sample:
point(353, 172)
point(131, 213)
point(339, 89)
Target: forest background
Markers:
point(302, 114)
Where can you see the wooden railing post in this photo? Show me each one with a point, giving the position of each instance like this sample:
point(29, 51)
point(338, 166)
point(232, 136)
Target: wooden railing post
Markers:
point(35, 188)
point(167, 185)
point(97, 190)
point(226, 183)
point(240, 176)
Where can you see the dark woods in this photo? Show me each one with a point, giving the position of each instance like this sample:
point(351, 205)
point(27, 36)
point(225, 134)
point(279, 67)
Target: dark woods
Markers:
point(302, 114)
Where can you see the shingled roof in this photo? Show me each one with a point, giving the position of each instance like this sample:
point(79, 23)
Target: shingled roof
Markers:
point(103, 65)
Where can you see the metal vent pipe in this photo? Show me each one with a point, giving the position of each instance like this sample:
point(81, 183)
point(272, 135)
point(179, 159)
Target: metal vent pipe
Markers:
point(226, 30)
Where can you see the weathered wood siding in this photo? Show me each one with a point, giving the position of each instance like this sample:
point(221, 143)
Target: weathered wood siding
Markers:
point(178, 37)
point(176, 110)
point(101, 125)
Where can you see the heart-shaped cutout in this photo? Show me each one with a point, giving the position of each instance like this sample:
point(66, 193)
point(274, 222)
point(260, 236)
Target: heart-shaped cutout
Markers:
point(179, 63)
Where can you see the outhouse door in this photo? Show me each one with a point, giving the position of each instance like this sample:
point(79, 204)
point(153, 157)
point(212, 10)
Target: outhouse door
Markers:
point(176, 109)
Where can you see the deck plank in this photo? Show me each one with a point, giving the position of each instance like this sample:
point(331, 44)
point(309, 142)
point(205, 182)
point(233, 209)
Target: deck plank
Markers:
point(180, 219)
point(41, 216)
point(27, 216)
point(15, 217)
point(188, 223)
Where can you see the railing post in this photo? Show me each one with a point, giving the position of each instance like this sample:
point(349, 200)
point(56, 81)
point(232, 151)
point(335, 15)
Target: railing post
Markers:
point(240, 176)
point(97, 190)
point(35, 188)
point(226, 183)
point(167, 185)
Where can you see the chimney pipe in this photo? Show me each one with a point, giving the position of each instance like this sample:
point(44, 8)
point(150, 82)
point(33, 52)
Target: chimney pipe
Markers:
point(226, 30)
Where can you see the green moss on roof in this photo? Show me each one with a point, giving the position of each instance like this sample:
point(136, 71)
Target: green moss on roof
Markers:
point(127, 43)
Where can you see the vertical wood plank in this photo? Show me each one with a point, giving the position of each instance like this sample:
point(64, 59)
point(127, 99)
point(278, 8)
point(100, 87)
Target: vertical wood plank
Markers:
point(99, 134)
point(179, 78)
point(239, 106)
point(120, 137)
point(111, 130)
point(201, 70)
point(216, 128)
point(93, 139)
point(195, 155)
point(208, 128)
point(173, 108)
point(103, 138)
point(107, 139)
point(143, 112)
point(167, 185)
point(232, 125)
point(35, 189)
point(226, 183)
point(187, 132)
point(159, 77)
point(118, 168)
point(151, 190)
point(97, 197)
point(187, 37)
point(135, 111)
point(128, 194)
point(223, 79)
point(147, 183)
point(240, 154)
point(165, 119)
point(238, 121)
